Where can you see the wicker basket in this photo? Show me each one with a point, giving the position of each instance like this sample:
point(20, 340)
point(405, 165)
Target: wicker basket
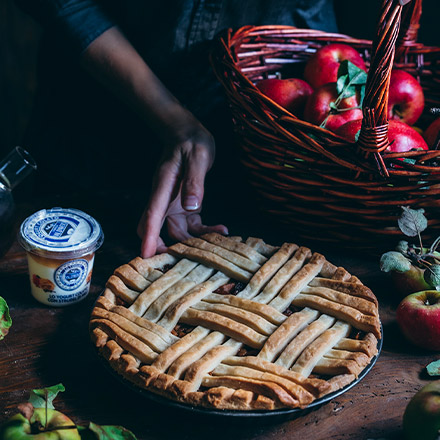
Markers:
point(306, 176)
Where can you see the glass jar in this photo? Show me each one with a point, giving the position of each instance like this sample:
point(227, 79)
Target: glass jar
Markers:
point(16, 166)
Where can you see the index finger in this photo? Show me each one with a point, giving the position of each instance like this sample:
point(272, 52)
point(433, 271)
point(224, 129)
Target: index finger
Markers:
point(165, 182)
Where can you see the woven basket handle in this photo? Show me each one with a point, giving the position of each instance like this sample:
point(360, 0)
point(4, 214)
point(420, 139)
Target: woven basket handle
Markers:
point(373, 137)
point(409, 28)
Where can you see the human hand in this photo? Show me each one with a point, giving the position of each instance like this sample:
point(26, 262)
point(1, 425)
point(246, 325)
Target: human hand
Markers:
point(178, 186)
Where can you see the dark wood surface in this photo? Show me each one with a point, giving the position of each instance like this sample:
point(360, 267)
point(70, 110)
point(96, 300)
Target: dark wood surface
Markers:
point(46, 346)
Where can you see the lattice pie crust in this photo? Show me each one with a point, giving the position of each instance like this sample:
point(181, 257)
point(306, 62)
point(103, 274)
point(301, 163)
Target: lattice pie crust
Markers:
point(221, 323)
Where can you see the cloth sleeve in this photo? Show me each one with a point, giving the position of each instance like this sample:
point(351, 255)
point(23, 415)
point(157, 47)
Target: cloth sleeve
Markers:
point(76, 22)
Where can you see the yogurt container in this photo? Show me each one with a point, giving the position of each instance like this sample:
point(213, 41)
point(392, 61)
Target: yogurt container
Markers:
point(60, 245)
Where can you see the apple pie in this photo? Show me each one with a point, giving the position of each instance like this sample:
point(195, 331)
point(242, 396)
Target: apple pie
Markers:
point(218, 322)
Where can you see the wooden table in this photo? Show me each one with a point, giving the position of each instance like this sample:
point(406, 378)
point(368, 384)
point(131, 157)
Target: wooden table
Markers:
point(46, 346)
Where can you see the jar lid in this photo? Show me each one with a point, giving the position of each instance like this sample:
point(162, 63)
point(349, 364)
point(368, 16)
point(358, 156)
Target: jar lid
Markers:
point(60, 233)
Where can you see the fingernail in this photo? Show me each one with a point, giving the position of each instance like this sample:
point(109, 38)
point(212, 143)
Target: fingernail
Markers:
point(191, 203)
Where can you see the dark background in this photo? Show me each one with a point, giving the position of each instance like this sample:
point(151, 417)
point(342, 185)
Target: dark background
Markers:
point(19, 37)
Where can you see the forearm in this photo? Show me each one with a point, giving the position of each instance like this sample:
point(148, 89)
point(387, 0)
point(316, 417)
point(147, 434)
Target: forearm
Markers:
point(114, 62)
point(74, 23)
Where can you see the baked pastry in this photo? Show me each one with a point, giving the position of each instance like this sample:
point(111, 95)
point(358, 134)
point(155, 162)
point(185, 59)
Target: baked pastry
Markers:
point(221, 323)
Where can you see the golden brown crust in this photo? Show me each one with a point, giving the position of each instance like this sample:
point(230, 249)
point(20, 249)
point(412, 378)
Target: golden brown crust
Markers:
point(160, 324)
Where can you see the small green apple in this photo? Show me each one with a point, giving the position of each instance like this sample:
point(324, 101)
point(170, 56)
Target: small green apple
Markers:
point(42, 424)
point(421, 419)
point(410, 281)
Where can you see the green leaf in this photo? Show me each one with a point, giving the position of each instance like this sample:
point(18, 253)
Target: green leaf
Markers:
point(356, 136)
point(44, 397)
point(333, 106)
point(412, 221)
point(5, 318)
point(408, 160)
point(355, 75)
point(105, 432)
point(432, 276)
point(402, 247)
point(340, 83)
point(394, 261)
point(433, 368)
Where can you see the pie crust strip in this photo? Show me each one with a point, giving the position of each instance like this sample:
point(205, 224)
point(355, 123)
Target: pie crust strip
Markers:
point(165, 335)
point(239, 248)
point(241, 261)
point(263, 275)
point(303, 340)
point(298, 283)
point(227, 326)
point(319, 347)
point(179, 366)
point(211, 260)
point(130, 343)
point(284, 275)
point(263, 310)
point(281, 337)
point(151, 293)
point(363, 322)
point(198, 275)
point(196, 294)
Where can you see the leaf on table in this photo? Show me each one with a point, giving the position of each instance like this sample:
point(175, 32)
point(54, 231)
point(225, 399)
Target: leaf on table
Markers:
point(5, 318)
point(394, 261)
point(105, 432)
point(43, 398)
point(412, 221)
point(433, 368)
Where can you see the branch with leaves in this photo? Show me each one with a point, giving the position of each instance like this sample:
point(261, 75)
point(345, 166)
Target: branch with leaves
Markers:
point(38, 418)
point(406, 256)
point(351, 80)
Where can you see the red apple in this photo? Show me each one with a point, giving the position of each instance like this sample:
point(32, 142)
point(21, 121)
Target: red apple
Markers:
point(290, 93)
point(432, 133)
point(322, 67)
point(318, 107)
point(421, 419)
point(418, 316)
point(402, 137)
point(406, 99)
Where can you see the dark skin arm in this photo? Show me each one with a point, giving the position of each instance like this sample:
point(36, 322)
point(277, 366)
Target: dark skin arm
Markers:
point(188, 148)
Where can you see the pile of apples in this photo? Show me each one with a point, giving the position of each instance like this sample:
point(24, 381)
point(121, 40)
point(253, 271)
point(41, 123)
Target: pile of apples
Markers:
point(312, 99)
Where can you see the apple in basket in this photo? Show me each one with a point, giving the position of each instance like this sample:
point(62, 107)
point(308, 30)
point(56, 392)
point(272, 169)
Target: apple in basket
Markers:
point(319, 107)
point(418, 316)
point(402, 137)
point(322, 67)
point(421, 419)
point(406, 99)
point(432, 133)
point(290, 93)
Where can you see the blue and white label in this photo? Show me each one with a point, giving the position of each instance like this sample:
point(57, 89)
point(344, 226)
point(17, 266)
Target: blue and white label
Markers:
point(55, 228)
point(71, 275)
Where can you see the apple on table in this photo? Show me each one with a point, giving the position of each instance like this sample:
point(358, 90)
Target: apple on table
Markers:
point(39, 423)
point(418, 316)
point(421, 419)
point(322, 67)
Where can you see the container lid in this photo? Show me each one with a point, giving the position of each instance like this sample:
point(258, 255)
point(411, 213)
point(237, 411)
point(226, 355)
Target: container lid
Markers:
point(60, 233)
